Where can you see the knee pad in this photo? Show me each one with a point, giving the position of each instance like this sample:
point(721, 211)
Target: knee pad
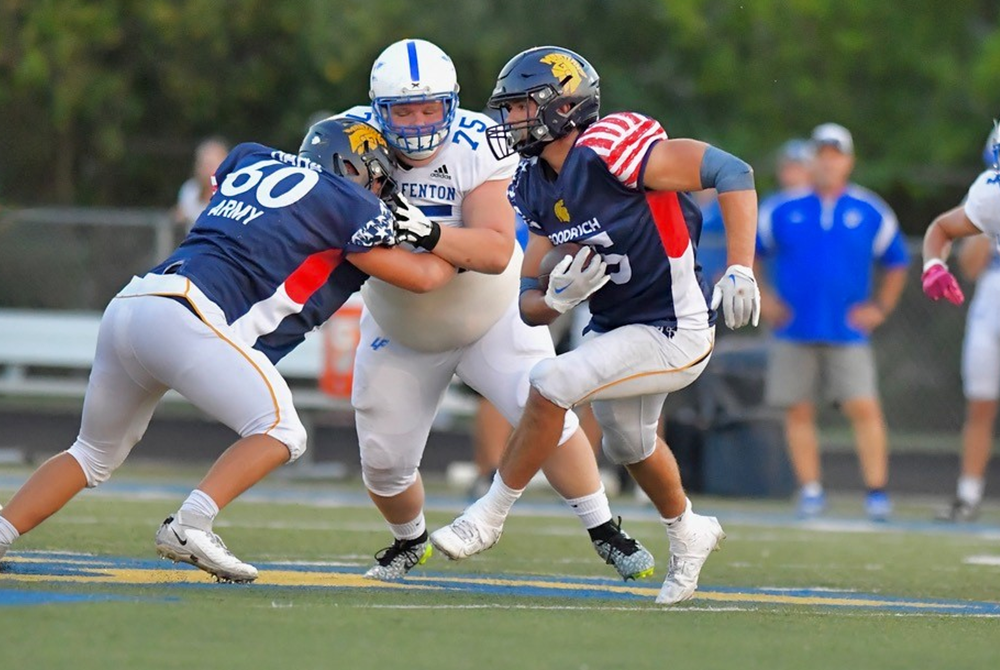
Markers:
point(388, 482)
point(289, 431)
point(97, 465)
point(624, 442)
point(549, 378)
point(622, 448)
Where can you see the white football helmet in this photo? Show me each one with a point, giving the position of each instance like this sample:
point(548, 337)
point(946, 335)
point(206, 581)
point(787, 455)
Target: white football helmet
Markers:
point(414, 71)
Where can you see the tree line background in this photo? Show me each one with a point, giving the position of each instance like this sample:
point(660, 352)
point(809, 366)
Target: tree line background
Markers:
point(102, 103)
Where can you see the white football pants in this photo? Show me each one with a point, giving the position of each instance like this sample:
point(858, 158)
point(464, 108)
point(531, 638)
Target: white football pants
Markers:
point(626, 374)
point(148, 344)
point(398, 391)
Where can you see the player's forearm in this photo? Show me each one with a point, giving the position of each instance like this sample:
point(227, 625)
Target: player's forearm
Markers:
point(534, 311)
point(739, 215)
point(417, 272)
point(937, 243)
point(429, 273)
point(479, 249)
point(947, 227)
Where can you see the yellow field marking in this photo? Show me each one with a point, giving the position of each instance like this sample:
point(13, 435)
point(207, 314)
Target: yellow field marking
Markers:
point(95, 572)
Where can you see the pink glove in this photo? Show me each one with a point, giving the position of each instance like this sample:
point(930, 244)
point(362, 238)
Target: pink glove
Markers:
point(939, 283)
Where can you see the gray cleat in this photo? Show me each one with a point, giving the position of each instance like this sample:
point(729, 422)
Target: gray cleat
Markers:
point(630, 559)
point(396, 560)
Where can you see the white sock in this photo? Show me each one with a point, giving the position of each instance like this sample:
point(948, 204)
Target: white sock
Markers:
point(410, 530)
point(7, 532)
point(201, 503)
point(677, 522)
point(970, 489)
point(593, 509)
point(496, 504)
point(812, 489)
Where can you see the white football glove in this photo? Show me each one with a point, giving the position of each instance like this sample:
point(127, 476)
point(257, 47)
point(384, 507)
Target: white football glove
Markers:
point(739, 296)
point(570, 283)
point(413, 226)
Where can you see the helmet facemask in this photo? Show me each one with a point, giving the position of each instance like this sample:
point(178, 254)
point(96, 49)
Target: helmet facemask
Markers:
point(416, 141)
point(377, 170)
point(365, 161)
point(560, 91)
point(555, 116)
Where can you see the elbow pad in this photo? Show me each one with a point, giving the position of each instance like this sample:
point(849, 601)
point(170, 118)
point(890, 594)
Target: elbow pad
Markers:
point(725, 172)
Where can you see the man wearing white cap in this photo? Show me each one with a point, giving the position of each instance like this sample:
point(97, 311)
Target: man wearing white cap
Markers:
point(823, 243)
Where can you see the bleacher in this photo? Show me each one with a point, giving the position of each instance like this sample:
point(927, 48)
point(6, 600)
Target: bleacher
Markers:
point(49, 353)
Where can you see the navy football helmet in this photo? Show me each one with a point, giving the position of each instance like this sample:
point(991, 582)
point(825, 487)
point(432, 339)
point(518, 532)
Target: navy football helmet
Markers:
point(566, 93)
point(354, 150)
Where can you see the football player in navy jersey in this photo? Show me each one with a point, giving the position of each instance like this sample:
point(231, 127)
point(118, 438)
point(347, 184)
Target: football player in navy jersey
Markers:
point(281, 245)
point(618, 186)
point(413, 345)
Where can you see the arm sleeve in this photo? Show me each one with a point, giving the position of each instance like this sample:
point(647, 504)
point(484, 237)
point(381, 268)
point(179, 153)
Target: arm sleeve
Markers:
point(375, 231)
point(623, 141)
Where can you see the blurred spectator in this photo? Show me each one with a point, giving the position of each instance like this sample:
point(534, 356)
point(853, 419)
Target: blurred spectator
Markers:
point(821, 243)
point(794, 168)
point(712, 244)
point(197, 190)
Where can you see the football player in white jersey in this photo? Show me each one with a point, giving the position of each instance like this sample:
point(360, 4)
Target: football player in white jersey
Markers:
point(980, 213)
point(411, 348)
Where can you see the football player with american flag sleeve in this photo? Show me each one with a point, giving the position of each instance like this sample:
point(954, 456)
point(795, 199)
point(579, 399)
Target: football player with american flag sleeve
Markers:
point(618, 186)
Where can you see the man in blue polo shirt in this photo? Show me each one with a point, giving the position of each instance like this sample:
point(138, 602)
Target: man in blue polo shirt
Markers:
point(822, 244)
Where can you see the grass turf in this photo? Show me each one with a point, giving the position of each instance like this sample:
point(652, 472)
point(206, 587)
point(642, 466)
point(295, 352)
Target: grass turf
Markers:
point(263, 626)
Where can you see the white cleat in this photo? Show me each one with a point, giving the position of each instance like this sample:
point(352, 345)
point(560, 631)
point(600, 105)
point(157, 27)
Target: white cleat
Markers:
point(188, 538)
point(466, 536)
point(688, 553)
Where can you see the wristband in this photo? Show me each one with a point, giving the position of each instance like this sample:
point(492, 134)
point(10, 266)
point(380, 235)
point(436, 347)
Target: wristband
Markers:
point(530, 284)
point(934, 261)
point(432, 238)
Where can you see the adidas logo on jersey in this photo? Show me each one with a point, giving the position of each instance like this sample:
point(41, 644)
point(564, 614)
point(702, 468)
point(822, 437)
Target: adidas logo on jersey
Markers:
point(441, 173)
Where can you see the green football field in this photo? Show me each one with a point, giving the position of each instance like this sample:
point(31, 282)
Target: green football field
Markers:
point(85, 589)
